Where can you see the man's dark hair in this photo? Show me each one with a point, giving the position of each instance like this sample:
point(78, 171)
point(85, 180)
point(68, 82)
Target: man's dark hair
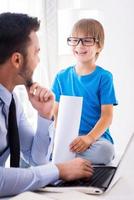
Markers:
point(14, 33)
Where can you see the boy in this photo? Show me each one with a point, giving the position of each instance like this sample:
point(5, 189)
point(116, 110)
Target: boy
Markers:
point(95, 85)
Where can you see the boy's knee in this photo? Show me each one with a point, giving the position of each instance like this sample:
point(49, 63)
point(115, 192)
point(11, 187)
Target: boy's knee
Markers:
point(106, 153)
point(99, 153)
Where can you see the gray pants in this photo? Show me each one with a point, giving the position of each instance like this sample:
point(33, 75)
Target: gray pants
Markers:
point(100, 152)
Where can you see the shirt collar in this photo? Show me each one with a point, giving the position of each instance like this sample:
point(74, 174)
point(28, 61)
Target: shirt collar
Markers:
point(5, 95)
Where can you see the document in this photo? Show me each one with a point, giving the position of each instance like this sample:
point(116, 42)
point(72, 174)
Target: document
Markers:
point(67, 127)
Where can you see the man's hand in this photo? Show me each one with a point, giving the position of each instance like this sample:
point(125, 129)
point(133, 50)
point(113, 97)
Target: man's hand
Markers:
point(81, 143)
point(75, 169)
point(41, 99)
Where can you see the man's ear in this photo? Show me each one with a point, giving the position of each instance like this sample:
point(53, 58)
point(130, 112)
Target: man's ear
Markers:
point(17, 59)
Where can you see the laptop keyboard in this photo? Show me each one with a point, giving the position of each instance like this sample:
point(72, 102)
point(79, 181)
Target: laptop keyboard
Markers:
point(101, 178)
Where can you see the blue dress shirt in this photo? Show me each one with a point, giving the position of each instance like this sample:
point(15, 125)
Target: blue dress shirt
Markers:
point(34, 149)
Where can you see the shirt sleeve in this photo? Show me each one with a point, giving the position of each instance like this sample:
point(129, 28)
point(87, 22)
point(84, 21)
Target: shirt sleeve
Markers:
point(56, 89)
point(42, 141)
point(107, 91)
point(34, 144)
point(16, 180)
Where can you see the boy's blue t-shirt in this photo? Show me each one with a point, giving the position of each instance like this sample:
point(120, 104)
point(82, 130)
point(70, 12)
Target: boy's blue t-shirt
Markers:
point(96, 89)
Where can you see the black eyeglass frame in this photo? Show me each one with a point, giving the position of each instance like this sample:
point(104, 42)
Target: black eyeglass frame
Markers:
point(81, 39)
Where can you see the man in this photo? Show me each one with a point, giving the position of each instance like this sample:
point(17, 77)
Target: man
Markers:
point(19, 48)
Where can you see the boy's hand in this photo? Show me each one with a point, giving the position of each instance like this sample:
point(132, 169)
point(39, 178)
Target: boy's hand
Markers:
point(81, 143)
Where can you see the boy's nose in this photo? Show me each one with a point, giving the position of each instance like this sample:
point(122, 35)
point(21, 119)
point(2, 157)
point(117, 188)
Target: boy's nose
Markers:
point(80, 42)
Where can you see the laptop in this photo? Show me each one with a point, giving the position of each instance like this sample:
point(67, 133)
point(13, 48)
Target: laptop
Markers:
point(103, 179)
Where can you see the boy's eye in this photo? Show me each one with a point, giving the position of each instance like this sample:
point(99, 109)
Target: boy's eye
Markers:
point(88, 40)
point(75, 40)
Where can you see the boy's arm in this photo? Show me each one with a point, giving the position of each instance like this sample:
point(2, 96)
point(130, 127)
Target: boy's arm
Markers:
point(103, 123)
point(81, 143)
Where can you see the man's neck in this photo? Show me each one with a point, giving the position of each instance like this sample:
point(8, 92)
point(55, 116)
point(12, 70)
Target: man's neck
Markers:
point(6, 77)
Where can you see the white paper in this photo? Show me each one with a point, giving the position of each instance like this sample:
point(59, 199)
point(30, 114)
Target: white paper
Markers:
point(67, 128)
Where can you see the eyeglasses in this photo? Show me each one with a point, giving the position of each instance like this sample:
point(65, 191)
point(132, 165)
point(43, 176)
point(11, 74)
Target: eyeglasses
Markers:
point(87, 41)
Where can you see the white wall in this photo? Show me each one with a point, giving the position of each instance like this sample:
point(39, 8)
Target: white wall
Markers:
point(117, 56)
